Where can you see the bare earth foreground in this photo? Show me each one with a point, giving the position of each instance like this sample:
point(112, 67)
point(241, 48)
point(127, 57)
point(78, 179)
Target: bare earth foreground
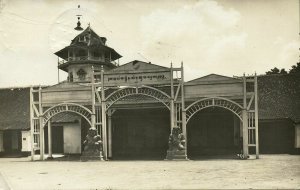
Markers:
point(271, 171)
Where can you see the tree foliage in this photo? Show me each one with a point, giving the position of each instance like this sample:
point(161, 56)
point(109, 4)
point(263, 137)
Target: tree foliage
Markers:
point(275, 70)
point(294, 70)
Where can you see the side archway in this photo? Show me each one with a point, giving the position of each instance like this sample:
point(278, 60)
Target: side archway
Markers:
point(67, 107)
point(214, 102)
point(157, 94)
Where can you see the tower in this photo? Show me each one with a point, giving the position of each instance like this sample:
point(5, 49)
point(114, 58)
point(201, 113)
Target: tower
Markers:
point(86, 50)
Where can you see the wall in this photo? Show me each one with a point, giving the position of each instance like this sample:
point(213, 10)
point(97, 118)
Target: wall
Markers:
point(26, 141)
point(276, 136)
point(72, 138)
point(1, 142)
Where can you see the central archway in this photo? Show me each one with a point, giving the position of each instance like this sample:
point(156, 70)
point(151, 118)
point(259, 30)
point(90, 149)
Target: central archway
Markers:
point(138, 132)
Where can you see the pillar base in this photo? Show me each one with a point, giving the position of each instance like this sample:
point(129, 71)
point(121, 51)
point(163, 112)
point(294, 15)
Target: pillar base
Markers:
point(176, 155)
point(92, 155)
point(49, 158)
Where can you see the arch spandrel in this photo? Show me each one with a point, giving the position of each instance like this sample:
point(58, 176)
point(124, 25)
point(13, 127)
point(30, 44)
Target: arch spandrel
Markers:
point(67, 107)
point(157, 94)
point(214, 102)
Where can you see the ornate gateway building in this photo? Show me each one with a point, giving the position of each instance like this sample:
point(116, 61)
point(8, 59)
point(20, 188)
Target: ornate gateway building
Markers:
point(141, 110)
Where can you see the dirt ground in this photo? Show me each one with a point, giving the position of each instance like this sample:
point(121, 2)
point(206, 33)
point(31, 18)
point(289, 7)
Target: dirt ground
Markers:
point(270, 171)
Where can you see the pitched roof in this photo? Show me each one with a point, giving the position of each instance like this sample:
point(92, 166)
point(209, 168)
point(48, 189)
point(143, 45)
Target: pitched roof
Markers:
point(14, 108)
point(139, 65)
point(279, 97)
point(95, 39)
point(215, 78)
point(92, 40)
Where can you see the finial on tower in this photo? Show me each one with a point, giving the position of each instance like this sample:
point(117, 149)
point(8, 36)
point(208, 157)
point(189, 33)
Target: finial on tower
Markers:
point(78, 27)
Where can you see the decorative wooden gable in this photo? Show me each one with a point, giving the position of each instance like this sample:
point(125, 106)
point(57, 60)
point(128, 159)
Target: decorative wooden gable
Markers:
point(66, 92)
point(214, 85)
point(213, 78)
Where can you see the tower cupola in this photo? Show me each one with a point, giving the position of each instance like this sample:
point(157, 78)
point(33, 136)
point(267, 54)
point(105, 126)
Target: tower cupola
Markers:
point(86, 50)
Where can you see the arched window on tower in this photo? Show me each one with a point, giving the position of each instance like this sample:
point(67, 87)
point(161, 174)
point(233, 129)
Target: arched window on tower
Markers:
point(71, 77)
point(81, 74)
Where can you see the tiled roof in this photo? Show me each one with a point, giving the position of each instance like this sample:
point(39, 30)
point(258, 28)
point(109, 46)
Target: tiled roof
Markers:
point(14, 108)
point(279, 97)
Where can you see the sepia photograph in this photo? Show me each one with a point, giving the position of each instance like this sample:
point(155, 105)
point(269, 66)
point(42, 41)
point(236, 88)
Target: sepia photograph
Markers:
point(141, 94)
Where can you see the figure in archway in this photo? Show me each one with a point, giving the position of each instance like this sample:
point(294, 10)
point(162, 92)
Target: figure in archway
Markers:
point(176, 145)
point(92, 146)
point(176, 140)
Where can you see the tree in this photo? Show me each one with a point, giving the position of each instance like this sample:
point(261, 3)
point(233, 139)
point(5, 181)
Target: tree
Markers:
point(295, 69)
point(275, 70)
point(283, 71)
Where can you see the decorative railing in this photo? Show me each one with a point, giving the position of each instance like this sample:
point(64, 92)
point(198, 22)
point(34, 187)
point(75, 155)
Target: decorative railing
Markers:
point(81, 58)
point(87, 58)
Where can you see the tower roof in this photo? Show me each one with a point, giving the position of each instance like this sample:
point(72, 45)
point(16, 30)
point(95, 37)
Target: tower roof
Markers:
point(88, 39)
point(94, 38)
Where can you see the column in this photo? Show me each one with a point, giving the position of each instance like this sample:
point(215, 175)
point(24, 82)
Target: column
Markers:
point(93, 116)
point(103, 117)
point(172, 114)
point(41, 123)
point(183, 110)
point(184, 130)
point(245, 134)
point(49, 140)
point(256, 117)
point(109, 123)
point(245, 119)
point(42, 143)
point(104, 133)
point(31, 124)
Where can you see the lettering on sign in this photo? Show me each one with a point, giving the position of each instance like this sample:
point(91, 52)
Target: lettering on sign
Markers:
point(123, 79)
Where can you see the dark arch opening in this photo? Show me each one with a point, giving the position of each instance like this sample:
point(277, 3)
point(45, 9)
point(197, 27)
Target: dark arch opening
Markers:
point(213, 132)
point(140, 133)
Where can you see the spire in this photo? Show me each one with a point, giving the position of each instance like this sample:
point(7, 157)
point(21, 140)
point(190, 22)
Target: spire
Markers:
point(78, 27)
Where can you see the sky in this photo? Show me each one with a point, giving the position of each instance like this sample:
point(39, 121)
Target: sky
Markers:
point(226, 37)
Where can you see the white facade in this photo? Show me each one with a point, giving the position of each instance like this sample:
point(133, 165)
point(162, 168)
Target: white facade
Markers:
point(72, 138)
point(26, 141)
